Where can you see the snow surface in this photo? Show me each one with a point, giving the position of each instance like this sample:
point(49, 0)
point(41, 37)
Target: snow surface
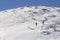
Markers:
point(19, 23)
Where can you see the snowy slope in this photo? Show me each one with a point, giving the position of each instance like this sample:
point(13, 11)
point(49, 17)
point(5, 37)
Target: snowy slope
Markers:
point(19, 23)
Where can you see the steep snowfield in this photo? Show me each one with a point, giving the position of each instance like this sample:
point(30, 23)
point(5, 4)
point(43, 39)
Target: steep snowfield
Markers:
point(19, 23)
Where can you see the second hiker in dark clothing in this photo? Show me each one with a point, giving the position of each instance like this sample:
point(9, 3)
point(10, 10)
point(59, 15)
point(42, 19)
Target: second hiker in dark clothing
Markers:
point(36, 23)
point(43, 22)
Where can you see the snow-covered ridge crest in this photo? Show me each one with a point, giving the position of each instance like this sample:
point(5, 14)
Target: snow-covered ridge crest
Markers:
point(29, 7)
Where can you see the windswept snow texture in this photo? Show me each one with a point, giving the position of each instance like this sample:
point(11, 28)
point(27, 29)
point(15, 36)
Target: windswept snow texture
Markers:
point(19, 23)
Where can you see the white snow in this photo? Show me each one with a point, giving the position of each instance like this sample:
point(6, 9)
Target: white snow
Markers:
point(19, 23)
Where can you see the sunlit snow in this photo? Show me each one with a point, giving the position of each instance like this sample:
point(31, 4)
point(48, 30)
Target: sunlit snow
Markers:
point(19, 23)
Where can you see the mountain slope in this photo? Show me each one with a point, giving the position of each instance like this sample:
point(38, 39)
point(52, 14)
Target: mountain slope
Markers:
point(19, 23)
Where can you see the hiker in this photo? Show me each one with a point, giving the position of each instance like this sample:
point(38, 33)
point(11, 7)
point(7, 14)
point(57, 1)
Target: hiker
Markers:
point(43, 22)
point(36, 23)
